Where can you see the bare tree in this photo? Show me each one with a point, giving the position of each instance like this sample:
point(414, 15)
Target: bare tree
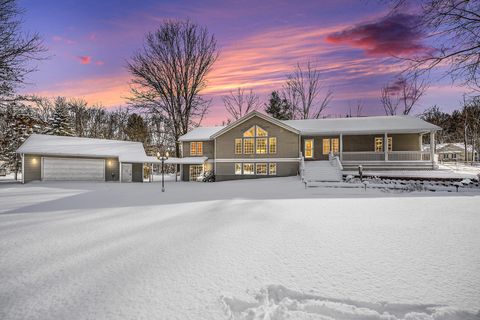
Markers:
point(16, 50)
point(170, 72)
point(453, 29)
point(303, 89)
point(357, 110)
point(238, 103)
point(402, 95)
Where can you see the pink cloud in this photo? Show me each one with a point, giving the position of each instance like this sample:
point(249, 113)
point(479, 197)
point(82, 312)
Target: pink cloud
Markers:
point(392, 35)
point(85, 59)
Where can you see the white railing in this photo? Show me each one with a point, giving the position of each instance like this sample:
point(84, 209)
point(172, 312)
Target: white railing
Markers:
point(302, 167)
point(409, 156)
point(392, 156)
point(335, 161)
point(363, 156)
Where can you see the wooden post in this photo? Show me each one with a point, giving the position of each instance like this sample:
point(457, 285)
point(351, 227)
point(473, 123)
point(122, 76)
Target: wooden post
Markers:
point(341, 147)
point(385, 146)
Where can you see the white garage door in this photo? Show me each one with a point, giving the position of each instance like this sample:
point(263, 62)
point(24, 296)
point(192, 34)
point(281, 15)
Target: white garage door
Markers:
point(73, 169)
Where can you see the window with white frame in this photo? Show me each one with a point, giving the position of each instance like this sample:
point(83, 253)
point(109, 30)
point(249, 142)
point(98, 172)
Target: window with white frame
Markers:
point(248, 168)
point(238, 146)
point(390, 144)
point(261, 145)
point(248, 145)
point(261, 169)
point(272, 169)
point(378, 144)
point(238, 168)
point(196, 148)
point(272, 145)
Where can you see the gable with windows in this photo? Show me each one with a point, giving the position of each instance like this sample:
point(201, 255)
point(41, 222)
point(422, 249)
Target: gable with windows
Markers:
point(256, 140)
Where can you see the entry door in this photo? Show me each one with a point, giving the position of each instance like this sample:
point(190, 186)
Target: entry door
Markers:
point(195, 171)
point(126, 172)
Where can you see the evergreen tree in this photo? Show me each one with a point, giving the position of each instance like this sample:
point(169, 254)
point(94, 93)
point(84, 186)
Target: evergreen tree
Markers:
point(136, 128)
point(278, 107)
point(22, 122)
point(60, 123)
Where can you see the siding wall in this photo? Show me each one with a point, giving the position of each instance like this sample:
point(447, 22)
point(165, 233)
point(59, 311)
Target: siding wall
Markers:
point(317, 147)
point(208, 149)
point(226, 171)
point(32, 168)
point(112, 169)
point(287, 141)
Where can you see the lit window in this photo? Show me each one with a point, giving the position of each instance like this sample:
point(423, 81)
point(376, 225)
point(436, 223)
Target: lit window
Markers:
point(261, 132)
point(261, 145)
point(390, 144)
point(378, 144)
point(261, 169)
point(196, 148)
point(250, 132)
point(195, 171)
point(326, 146)
point(248, 145)
point(248, 168)
point(335, 145)
point(238, 146)
point(273, 145)
point(272, 169)
point(238, 168)
point(309, 148)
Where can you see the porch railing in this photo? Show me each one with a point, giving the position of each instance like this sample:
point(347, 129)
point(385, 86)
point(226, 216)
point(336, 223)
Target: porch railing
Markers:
point(363, 156)
point(409, 156)
point(392, 156)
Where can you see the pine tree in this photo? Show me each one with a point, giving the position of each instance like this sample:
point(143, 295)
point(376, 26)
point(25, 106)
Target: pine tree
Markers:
point(279, 108)
point(136, 128)
point(22, 122)
point(60, 123)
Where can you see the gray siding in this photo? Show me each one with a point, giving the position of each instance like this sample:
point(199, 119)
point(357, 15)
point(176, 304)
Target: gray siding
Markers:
point(287, 141)
point(32, 168)
point(112, 169)
point(137, 172)
point(226, 171)
point(208, 149)
point(317, 147)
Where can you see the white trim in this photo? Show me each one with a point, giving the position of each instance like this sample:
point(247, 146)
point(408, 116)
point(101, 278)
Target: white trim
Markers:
point(259, 160)
point(248, 117)
point(23, 167)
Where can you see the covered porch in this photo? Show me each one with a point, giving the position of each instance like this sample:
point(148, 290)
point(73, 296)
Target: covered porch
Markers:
point(385, 150)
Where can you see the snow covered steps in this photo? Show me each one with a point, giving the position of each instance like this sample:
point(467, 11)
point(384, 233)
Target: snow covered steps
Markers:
point(322, 171)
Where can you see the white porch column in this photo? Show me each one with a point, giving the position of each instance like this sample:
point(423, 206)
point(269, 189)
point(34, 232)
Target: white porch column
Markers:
point(23, 168)
point(341, 147)
point(119, 172)
point(432, 147)
point(385, 146)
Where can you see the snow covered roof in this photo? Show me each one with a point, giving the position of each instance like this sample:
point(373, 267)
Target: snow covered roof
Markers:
point(200, 133)
point(358, 125)
point(126, 151)
point(186, 160)
point(362, 125)
point(449, 147)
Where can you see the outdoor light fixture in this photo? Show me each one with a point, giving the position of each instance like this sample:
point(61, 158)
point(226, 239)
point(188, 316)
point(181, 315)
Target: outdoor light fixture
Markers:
point(162, 158)
point(34, 161)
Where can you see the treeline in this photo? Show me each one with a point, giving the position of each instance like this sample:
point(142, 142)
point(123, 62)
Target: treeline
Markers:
point(74, 117)
point(462, 125)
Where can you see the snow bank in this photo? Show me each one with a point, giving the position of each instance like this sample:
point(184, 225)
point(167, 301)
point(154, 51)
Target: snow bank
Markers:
point(276, 302)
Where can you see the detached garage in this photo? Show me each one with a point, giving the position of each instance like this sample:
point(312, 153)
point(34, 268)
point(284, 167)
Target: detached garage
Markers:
point(56, 158)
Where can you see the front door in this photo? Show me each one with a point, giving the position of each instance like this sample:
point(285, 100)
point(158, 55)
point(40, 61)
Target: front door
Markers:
point(195, 171)
point(126, 172)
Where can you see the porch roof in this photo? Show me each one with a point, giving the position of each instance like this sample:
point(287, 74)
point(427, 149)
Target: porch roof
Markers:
point(186, 160)
point(362, 125)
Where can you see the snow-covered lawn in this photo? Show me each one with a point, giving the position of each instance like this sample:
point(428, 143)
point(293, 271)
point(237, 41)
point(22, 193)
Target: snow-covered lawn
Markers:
point(263, 249)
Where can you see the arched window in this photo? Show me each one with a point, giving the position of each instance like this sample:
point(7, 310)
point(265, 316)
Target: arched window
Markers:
point(255, 140)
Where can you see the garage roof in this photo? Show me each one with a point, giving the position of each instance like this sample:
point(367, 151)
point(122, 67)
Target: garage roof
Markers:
point(125, 151)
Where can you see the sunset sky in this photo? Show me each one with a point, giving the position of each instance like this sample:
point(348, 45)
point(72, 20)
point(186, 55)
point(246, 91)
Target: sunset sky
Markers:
point(352, 43)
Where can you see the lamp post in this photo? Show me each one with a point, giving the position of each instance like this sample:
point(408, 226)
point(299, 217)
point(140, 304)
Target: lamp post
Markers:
point(162, 158)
